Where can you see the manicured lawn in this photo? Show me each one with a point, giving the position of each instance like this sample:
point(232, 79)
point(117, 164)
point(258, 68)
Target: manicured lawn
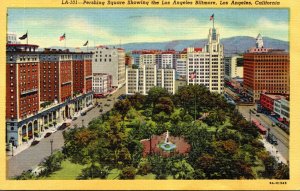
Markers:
point(69, 171)
point(113, 174)
point(149, 176)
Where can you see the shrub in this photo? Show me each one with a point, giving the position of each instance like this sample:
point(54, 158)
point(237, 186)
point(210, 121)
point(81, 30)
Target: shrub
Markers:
point(128, 172)
point(95, 170)
point(52, 163)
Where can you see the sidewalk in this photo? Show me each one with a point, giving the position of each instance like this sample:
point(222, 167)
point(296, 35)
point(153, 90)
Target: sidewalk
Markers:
point(273, 151)
point(26, 145)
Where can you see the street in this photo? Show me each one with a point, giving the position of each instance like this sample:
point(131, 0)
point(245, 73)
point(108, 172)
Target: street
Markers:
point(282, 137)
point(31, 157)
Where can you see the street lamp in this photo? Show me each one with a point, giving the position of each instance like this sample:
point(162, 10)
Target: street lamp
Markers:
point(51, 144)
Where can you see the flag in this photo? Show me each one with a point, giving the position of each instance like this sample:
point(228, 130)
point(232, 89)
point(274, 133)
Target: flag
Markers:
point(62, 37)
point(212, 17)
point(86, 43)
point(193, 75)
point(23, 37)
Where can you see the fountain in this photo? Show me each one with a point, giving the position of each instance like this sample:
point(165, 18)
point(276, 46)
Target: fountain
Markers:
point(167, 145)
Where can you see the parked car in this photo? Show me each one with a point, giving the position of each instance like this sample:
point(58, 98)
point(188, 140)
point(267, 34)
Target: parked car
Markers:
point(74, 118)
point(107, 105)
point(257, 115)
point(47, 134)
point(101, 110)
point(83, 113)
point(108, 99)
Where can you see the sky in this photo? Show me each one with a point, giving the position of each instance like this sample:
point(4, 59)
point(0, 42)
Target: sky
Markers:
point(119, 26)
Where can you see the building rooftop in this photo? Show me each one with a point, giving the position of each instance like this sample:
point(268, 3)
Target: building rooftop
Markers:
point(274, 96)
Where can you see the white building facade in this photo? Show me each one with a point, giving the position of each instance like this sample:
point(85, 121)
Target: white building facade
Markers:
point(146, 59)
point(208, 64)
point(166, 61)
point(11, 38)
point(181, 67)
point(110, 61)
point(233, 67)
point(282, 108)
point(147, 76)
point(101, 83)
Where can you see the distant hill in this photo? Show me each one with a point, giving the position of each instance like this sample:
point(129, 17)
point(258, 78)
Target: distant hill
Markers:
point(232, 45)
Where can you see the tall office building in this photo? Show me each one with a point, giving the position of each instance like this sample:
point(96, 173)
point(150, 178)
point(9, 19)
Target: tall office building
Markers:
point(266, 70)
point(110, 61)
point(207, 64)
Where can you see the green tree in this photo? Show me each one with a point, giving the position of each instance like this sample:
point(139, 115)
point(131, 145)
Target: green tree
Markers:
point(128, 172)
point(282, 172)
point(144, 166)
point(164, 104)
point(137, 100)
point(122, 106)
point(94, 170)
point(182, 170)
point(155, 93)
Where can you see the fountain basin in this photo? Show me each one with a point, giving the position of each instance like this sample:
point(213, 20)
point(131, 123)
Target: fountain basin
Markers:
point(167, 146)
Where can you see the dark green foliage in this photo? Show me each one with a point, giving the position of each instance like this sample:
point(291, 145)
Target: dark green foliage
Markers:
point(94, 170)
point(223, 145)
point(26, 175)
point(52, 163)
point(128, 172)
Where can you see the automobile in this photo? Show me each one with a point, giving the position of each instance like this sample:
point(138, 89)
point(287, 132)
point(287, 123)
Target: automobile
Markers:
point(100, 103)
point(101, 110)
point(74, 118)
point(107, 105)
point(47, 134)
point(34, 142)
point(257, 115)
point(108, 99)
point(83, 113)
point(272, 139)
point(99, 106)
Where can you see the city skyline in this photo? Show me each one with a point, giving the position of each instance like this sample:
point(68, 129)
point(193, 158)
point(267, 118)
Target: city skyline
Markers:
point(110, 26)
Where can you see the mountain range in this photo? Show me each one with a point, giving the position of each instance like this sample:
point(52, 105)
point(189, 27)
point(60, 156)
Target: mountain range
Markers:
point(232, 45)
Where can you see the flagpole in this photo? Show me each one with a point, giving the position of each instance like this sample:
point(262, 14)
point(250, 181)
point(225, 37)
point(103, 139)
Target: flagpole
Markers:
point(195, 105)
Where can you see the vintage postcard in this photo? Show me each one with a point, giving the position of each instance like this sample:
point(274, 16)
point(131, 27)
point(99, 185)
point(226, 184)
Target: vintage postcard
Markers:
point(149, 94)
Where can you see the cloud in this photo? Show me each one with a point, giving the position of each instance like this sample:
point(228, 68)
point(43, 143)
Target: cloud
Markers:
point(46, 31)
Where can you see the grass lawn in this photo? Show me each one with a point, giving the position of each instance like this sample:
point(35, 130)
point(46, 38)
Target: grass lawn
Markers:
point(149, 176)
point(69, 171)
point(113, 174)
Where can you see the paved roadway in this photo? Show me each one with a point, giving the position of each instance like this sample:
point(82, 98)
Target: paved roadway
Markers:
point(282, 137)
point(31, 157)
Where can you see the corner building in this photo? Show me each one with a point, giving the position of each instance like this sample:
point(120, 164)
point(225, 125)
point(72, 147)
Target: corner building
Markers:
point(39, 88)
